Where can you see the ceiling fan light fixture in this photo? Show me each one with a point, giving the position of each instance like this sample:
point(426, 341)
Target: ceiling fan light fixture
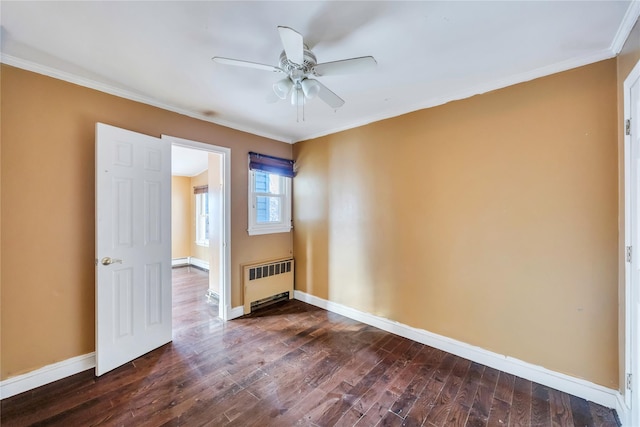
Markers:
point(282, 88)
point(310, 87)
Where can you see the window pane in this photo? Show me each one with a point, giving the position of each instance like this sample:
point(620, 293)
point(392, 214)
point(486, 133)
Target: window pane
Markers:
point(274, 184)
point(268, 209)
point(267, 183)
point(206, 215)
point(262, 182)
point(202, 219)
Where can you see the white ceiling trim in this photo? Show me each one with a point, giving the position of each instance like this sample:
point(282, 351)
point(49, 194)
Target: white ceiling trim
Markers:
point(621, 35)
point(483, 88)
point(629, 20)
point(189, 175)
point(132, 96)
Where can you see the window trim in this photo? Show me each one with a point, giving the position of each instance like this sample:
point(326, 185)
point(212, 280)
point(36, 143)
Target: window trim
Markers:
point(199, 222)
point(284, 226)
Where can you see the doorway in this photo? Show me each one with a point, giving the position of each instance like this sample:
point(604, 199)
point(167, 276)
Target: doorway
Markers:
point(204, 176)
point(632, 242)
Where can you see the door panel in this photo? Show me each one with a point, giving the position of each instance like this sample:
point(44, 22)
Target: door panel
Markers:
point(133, 245)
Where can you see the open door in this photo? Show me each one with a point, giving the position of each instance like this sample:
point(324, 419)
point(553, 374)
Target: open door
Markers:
point(133, 245)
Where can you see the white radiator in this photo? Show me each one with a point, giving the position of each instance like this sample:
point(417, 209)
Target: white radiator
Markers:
point(267, 279)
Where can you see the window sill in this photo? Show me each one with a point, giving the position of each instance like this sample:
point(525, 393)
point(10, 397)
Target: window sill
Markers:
point(203, 243)
point(268, 230)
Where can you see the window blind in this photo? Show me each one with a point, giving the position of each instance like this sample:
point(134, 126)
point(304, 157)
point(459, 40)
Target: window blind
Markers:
point(201, 189)
point(270, 164)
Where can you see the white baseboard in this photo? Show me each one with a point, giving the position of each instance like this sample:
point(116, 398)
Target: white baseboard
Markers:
point(624, 412)
point(178, 262)
point(236, 312)
point(575, 386)
point(199, 263)
point(57, 371)
point(578, 387)
point(45, 375)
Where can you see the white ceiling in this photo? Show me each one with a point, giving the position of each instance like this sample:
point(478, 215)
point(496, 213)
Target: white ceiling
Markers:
point(188, 162)
point(428, 52)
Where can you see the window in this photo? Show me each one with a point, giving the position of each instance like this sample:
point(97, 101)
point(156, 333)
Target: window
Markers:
point(269, 200)
point(202, 219)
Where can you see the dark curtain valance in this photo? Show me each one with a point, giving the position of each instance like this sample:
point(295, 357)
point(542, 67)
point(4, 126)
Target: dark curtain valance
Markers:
point(275, 165)
point(201, 189)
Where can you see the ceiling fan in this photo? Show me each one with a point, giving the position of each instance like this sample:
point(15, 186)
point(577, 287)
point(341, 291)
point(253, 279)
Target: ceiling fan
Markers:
point(299, 64)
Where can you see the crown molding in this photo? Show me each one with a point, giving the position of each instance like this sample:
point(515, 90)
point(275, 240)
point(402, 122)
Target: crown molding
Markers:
point(126, 94)
point(628, 21)
point(476, 90)
point(623, 32)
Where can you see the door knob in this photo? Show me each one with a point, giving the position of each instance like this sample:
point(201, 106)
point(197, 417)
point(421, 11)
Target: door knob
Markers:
point(108, 260)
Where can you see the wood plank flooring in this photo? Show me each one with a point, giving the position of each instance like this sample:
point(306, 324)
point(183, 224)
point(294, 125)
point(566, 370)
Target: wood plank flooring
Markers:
point(293, 364)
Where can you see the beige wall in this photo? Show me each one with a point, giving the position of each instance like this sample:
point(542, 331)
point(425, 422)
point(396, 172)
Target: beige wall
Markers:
point(181, 213)
point(47, 277)
point(626, 60)
point(491, 220)
point(183, 221)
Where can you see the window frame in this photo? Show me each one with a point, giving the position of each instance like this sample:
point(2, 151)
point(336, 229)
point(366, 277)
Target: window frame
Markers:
point(201, 219)
point(284, 226)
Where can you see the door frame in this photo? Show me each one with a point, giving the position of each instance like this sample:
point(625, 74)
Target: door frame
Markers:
point(224, 308)
point(631, 354)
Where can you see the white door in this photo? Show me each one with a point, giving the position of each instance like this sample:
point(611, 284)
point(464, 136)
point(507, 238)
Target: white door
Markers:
point(133, 245)
point(632, 183)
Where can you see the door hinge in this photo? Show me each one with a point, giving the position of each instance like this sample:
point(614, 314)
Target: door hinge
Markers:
point(629, 381)
point(628, 253)
point(627, 127)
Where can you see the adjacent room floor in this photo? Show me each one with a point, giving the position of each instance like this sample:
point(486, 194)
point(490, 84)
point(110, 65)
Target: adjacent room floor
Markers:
point(293, 364)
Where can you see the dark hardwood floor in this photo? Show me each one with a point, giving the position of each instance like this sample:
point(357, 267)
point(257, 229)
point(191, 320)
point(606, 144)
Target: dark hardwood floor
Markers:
point(293, 364)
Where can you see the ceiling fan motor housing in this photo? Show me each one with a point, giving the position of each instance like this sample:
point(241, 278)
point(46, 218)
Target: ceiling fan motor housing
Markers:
point(295, 71)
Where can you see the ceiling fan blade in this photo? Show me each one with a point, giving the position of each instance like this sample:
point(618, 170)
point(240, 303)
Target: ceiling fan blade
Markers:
point(345, 66)
point(293, 44)
point(330, 98)
point(247, 64)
